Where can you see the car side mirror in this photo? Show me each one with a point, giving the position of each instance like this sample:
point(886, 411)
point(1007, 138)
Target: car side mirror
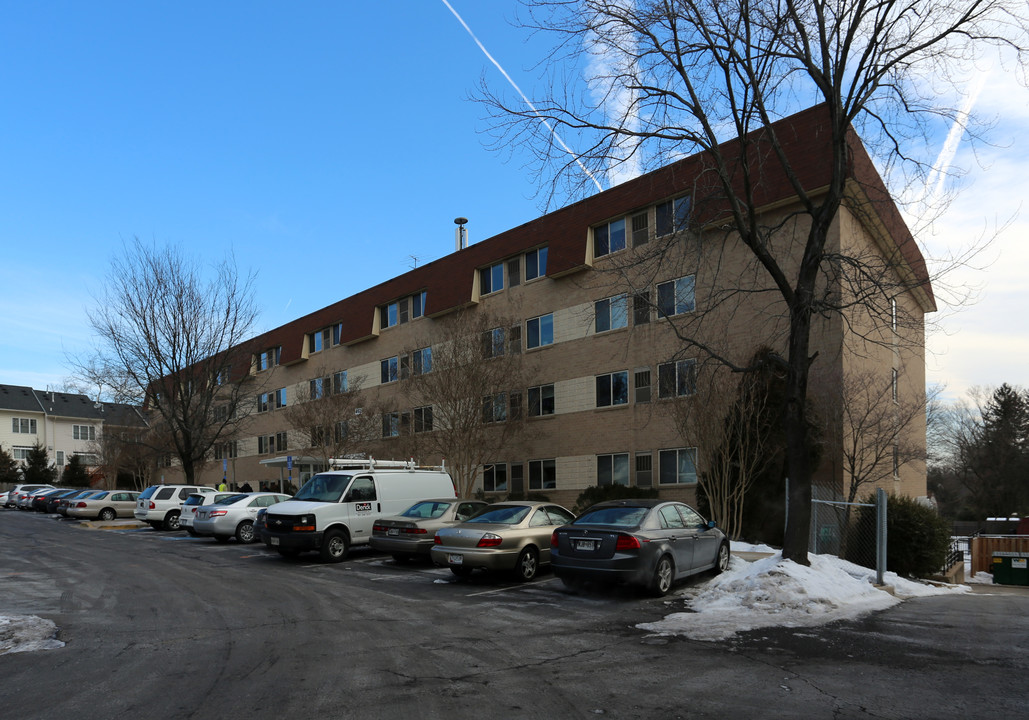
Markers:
point(711, 524)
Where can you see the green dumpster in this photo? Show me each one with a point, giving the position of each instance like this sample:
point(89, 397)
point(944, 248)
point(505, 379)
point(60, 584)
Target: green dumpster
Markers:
point(1011, 568)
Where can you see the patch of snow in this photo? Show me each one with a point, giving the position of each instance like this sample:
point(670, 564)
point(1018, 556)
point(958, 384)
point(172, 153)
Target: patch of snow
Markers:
point(981, 578)
point(26, 633)
point(740, 546)
point(773, 592)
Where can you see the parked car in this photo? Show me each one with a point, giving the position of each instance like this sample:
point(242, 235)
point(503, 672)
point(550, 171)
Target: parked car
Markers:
point(160, 505)
point(25, 500)
point(19, 490)
point(504, 536)
point(337, 509)
point(40, 499)
point(411, 533)
point(651, 543)
point(103, 505)
point(188, 510)
point(59, 504)
point(234, 516)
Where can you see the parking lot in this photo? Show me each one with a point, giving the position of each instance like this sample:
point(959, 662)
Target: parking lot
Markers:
point(166, 626)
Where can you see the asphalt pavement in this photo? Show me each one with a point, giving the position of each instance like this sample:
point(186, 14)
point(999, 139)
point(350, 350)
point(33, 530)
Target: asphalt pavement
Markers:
point(161, 625)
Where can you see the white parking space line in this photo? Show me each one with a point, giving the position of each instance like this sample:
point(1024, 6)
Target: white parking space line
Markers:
point(522, 586)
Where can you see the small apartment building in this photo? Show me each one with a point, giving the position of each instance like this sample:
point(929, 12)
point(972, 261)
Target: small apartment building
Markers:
point(602, 366)
point(65, 424)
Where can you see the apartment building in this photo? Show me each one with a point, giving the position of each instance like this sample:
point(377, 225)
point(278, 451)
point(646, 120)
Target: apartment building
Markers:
point(593, 300)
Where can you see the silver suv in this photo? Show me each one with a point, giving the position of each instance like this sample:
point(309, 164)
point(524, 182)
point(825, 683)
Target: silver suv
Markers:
point(160, 505)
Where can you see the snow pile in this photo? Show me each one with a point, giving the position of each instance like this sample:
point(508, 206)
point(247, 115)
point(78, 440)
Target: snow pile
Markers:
point(25, 633)
point(776, 592)
point(981, 578)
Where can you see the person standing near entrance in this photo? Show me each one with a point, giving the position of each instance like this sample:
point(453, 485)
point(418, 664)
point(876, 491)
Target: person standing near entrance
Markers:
point(222, 487)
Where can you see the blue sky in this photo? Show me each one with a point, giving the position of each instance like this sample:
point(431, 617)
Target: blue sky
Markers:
point(324, 144)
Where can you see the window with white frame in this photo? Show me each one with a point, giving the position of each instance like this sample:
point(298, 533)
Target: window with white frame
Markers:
point(494, 477)
point(421, 361)
point(641, 384)
point(644, 469)
point(389, 370)
point(677, 466)
point(676, 297)
point(20, 452)
point(676, 379)
point(318, 388)
point(541, 400)
point(894, 380)
point(494, 408)
point(269, 358)
point(611, 313)
point(613, 469)
point(226, 450)
point(337, 333)
point(423, 419)
point(491, 279)
point(321, 340)
point(640, 229)
point(271, 400)
point(641, 307)
point(613, 389)
point(539, 331)
point(542, 474)
point(390, 424)
point(673, 215)
point(609, 238)
point(535, 263)
point(893, 314)
point(494, 343)
point(83, 432)
point(24, 426)
point(418, 304)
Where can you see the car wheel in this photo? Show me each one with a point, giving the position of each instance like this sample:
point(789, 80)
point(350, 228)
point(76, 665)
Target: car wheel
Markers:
point(222, 538)
point(527, 564)
point(663, 574)
point(722, 561)
point(245, 532)
point(108, 514)
point(461, 570)
point(334, 546)
point(171, 521)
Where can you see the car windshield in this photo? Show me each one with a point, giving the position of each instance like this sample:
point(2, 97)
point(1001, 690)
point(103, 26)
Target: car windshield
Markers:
point(426, 510)
point(614, 516)
point(324, 488)
point(502, 515)
point(231, 499)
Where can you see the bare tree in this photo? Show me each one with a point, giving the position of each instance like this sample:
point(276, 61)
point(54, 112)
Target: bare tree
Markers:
point(173, 333)
point(673, 77)
point(466, 391)
point(332, 415)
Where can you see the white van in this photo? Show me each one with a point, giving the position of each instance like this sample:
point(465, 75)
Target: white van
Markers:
point(336, 509)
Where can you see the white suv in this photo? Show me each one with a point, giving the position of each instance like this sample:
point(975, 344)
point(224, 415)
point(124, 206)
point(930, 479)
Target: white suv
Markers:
point(160, 505)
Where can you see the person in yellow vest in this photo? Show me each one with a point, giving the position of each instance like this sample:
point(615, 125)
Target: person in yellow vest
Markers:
point(222, 487)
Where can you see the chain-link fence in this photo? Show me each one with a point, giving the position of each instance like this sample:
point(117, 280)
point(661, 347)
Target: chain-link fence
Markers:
point(852, 531)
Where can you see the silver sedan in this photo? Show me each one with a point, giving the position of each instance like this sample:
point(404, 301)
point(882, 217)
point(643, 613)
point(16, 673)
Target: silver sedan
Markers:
point(410, 534)
point(234, 516)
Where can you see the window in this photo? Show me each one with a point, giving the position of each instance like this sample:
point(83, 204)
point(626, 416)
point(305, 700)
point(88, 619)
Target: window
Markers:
point(494, 408)
point(491, 279)
point(641, 381)
point(418, 304)
point(540, 331)
point(673, 215)
point(893, 383)
point(423, 419)
point(21, 453)
point(318, 388)
point(542, 475)
point(644, 470)
point(494, 477)
point(339, 382)
point(421, 361)
point(337, 333)
point(389, 370)
point(391, 424)
point(272, 400)
point(83, 432)
point(517, 473)
point(266, 444)
point(611, 313)
point(280, 397)
point(514, 272)
point(893, 314)
point(677, 467)
point(675, 297)
point(25, 426)
point(226, 450)
point(269, 358)
point(222, 376)
point(280, 442)
point(613, 389)
point(339, 431)
point(535, 264)
point(613, 469)
point(640, 229)
point(541, 400)
point(675, 379)
point(896, 461)
point(609, 238)
point(318, 341)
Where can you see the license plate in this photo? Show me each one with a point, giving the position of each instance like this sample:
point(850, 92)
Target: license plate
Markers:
point(587, 545)
point(393, 531)
point(455, 559)
point(274, 541)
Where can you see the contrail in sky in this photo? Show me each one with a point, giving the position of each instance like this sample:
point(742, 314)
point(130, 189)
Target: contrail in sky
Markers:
point(519, 90)
point(938, 176)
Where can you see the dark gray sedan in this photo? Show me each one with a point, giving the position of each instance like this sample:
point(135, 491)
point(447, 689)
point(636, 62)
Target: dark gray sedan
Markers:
point(651, 543)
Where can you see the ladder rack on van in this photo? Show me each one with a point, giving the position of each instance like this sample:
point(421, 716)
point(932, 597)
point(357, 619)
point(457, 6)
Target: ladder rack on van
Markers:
point(372, 464)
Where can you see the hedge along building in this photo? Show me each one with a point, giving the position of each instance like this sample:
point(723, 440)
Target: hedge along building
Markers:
point(589, 307)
